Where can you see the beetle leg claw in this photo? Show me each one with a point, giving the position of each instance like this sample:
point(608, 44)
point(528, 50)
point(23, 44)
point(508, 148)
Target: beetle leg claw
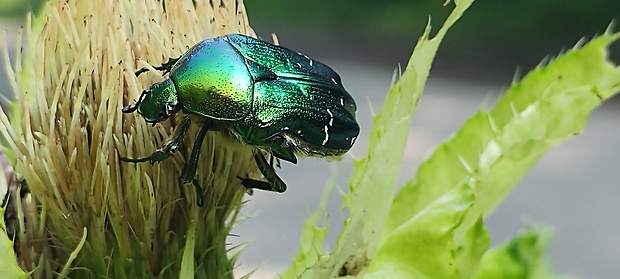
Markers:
point(141, 71)
point(165, 67)
point(157, 156)
point(250, 184)
point(200, 194)
point(274, 183)
point(149, 159)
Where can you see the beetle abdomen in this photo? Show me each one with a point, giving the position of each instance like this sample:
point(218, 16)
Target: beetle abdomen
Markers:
point(312, 117)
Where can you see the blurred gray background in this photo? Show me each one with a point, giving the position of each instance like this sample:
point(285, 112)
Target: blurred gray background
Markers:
point(574, 189)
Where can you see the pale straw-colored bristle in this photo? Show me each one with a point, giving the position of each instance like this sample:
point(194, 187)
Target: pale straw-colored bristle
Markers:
point(66, 133)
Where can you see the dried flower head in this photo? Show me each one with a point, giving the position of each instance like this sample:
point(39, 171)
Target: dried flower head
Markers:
point(92, 215)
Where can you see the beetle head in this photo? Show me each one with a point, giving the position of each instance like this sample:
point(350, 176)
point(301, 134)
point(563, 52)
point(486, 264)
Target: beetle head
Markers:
point(156, 103)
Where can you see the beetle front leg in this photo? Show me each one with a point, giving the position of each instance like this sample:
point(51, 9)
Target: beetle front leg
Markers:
point(274, 183)
point(166, 67)
point(169, 147)
point(189, 171)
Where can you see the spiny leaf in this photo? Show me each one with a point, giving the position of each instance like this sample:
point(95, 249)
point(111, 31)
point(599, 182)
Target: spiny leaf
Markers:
point(373, 183)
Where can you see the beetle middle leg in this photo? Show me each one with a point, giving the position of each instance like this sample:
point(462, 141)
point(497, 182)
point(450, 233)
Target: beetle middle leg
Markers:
point(189, 171)
point(278, 147)
point(274, 183)
point(166, 67)
point(169, 147)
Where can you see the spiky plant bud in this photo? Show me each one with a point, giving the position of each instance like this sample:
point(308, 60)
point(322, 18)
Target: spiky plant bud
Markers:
point(91, 215)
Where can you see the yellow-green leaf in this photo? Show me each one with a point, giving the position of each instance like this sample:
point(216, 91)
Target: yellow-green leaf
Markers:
point(8, 262)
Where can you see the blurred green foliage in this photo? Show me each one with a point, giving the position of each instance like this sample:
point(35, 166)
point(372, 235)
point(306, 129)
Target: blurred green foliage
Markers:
point(505, 21)
point(494, 34)
point(493, 39)
point(16, 9)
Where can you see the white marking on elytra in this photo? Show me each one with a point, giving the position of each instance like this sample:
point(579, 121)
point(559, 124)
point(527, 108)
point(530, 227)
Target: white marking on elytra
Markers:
point(285, 128)
point(342, 101)
point(326, 135)
point(298, 64)
point(334, 81)
point(331, 117)
point(310, 62)
point(299, 132)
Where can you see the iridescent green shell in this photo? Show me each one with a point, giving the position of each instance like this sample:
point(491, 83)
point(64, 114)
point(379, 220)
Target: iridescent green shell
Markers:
point(267, 95)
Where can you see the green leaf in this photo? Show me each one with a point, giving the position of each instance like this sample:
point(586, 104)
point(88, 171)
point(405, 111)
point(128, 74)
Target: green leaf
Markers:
point(490, 154)
point(434, 226)
point(312, 238)
point(493, 150)
point(520, 258)
point(373, 183)
point(187, 261)
point(429, 246)
point(8, 262)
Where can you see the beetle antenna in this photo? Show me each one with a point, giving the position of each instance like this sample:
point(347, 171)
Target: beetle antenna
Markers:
point(132, 107)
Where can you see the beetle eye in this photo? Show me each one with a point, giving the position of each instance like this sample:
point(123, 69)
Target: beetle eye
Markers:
point(171, 107)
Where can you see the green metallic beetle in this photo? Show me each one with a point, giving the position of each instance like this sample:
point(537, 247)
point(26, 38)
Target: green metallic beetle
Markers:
point(280, 102)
